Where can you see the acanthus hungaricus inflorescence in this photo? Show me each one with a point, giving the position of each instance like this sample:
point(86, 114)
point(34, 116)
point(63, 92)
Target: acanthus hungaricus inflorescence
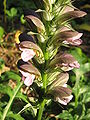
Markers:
point(41, 54)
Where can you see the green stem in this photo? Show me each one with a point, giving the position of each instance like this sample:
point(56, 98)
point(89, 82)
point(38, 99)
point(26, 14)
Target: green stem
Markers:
point(41, 108)
point(4, 4)
point(44, 80)
point(10, 101)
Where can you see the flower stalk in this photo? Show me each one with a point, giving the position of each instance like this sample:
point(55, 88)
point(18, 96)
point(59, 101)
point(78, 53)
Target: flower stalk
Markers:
point(44, 79)
point(41, 108)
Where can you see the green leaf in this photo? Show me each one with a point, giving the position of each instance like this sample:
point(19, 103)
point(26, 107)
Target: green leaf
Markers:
point(65, 116)
point(86, 97)
point(80, 56)
point(84, 89)
point(32, 109)
point(0, 114)
point(83, 69)
point(22, 96)
point(7, 108)
point(12, 12)
point(6, 90)
point(10, 75)
point(2, 63)
point(8, 13)
point(86, 117)
point(15, 116)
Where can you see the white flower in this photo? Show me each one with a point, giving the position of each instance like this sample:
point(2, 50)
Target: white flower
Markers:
point(27, 54)
point(27, 78)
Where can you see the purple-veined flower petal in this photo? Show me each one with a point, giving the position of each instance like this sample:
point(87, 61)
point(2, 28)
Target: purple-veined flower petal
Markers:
point(65, 61)
point(74, 64)
point(30, 45)
point(36, 21)
point(76, 42)
point(70, 15)
point(61, 94)
point(61, 101)
point(68, 9)
point(75, 37)
point(58, 80)
point(66, 36)
point(27, 54)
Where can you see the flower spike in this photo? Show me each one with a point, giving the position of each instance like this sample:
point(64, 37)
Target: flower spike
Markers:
point(41, 55)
